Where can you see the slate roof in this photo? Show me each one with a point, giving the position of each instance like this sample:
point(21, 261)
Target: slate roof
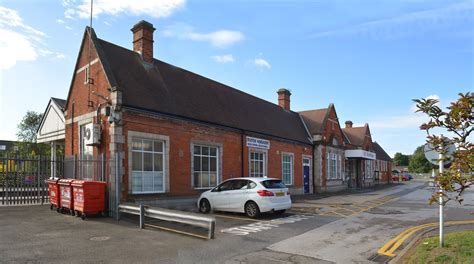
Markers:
point(167, 89)
point(314, 119)
point(380, 152)
point(356, 135)
point(60, 102)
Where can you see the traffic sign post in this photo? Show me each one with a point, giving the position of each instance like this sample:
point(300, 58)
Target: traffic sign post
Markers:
point(441, 205)
point(437, 158)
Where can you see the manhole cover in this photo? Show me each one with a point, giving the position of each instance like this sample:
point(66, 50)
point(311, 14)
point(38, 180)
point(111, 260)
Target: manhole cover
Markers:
point(100, 238)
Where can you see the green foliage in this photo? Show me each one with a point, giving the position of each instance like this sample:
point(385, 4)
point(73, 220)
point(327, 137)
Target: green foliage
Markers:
point(459, 248)
point(418, 162)
point(26, 134)
point(458, 123)
point(400, 159)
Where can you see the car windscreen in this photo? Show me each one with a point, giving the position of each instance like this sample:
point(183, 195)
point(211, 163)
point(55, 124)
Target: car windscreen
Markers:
point(273, 184)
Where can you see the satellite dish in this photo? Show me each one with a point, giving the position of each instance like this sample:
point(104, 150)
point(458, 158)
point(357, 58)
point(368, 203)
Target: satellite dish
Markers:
point(433, 156)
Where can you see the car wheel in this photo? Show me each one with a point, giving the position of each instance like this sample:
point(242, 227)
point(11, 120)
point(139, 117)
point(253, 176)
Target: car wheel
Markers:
point(252, 210)
point(279, 212)
point(204, 206)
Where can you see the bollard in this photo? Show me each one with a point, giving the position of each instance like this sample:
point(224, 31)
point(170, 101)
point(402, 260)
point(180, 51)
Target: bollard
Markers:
point(142, 216)
point(212, 227)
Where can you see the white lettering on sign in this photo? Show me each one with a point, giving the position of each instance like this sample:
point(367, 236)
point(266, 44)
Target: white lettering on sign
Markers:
point(258, 143)
point(261, 226)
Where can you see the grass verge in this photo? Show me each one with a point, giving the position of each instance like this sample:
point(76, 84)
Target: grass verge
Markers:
point(459, 248)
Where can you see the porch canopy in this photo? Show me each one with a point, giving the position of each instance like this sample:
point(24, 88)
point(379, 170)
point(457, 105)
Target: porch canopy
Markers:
point(360, 154)
point(52, 129)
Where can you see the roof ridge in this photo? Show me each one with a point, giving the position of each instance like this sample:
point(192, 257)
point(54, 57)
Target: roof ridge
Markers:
point(185, 70)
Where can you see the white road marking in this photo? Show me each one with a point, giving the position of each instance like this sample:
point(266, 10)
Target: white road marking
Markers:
point(261, 226)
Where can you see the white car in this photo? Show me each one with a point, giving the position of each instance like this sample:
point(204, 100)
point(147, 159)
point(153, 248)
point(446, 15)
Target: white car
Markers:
point(251, 196)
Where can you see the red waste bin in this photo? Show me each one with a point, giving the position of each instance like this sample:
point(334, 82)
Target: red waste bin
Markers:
point(53, 192)
point(66, 195)
point(89, 197)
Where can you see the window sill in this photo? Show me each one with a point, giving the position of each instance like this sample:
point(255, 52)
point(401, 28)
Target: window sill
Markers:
point(139, 193)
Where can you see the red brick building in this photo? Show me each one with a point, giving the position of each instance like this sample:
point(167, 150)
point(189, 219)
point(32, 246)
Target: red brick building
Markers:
point(329, 146)
point(360, 157)
point(179, 133)
point(383, 164)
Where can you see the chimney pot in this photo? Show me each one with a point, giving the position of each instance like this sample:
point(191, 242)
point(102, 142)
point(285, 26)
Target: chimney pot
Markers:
point(143, 40)
point(348, 124)
point(284, 98)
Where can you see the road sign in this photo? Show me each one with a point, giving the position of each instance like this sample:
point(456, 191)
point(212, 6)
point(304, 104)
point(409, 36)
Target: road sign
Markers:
point(433, 156)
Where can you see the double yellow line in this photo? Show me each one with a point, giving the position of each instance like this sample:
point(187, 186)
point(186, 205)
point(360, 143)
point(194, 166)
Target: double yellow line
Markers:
point(396, 242)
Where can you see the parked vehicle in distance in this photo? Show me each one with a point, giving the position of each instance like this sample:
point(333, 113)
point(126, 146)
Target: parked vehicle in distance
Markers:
point(395, 178)
point(249, 195)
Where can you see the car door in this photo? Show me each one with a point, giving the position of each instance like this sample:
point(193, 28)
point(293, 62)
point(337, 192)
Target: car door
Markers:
point(238, 195)
point(219, 196)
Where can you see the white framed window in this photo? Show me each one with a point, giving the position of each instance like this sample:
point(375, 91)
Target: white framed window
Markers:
point(334, 166)
point(369, 169)
point(86, 75)
point(205, 166)
point(287, 168)
point(257, 163)
point(148, 165)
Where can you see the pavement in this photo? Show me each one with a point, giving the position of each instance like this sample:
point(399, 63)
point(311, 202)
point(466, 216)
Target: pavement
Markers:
point(355, 239)
point(346, 228)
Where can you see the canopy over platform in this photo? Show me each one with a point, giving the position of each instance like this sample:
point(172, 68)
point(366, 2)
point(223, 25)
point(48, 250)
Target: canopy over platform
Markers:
point(52, 127)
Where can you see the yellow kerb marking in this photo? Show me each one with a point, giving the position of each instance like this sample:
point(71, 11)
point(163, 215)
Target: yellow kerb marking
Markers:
point(392, 245)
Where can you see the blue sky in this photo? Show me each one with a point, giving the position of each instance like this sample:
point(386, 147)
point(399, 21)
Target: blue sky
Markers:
point(369, 58)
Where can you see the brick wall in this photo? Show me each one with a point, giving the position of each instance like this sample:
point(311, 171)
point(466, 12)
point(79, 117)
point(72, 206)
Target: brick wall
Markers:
point(182, 133)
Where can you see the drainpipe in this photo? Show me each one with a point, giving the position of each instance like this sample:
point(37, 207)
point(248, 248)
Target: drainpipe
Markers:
point(242, 154)
point(72, 129)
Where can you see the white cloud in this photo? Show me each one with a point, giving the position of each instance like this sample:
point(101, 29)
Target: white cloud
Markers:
point(19, 41)
point(68, 27)
point(407, 24)
point(59, 21)
point(15, 47)
point(222, 38)
point(10, 18)
point(262, 63)
point(227, 58)
point(153, 8)
point(107, 23)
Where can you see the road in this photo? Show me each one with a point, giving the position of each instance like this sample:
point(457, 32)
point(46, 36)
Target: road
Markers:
point(342, 229)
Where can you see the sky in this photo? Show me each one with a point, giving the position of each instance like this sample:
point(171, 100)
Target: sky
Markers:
point(370, 58)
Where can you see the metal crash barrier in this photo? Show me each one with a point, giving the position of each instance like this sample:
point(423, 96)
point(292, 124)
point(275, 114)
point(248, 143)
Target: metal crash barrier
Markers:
point(188, 218)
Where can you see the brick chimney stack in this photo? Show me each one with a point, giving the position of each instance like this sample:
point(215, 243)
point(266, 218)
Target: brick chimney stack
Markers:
point(348, 124)
point(284, 98)
point(143, 40)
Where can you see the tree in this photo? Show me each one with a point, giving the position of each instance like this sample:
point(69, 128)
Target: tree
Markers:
point(457, 123)
point(400, 160)
point(26, 134)
point(418, 162)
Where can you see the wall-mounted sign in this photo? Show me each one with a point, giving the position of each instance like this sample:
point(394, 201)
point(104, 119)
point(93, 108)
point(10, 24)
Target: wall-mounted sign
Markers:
point(258, 143)
point(3, 147)
point(359, 153)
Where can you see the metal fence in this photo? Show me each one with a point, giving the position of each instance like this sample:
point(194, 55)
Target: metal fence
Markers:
point(22, 179)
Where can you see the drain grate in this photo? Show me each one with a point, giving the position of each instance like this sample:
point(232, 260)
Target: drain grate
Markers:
point(379, 258)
